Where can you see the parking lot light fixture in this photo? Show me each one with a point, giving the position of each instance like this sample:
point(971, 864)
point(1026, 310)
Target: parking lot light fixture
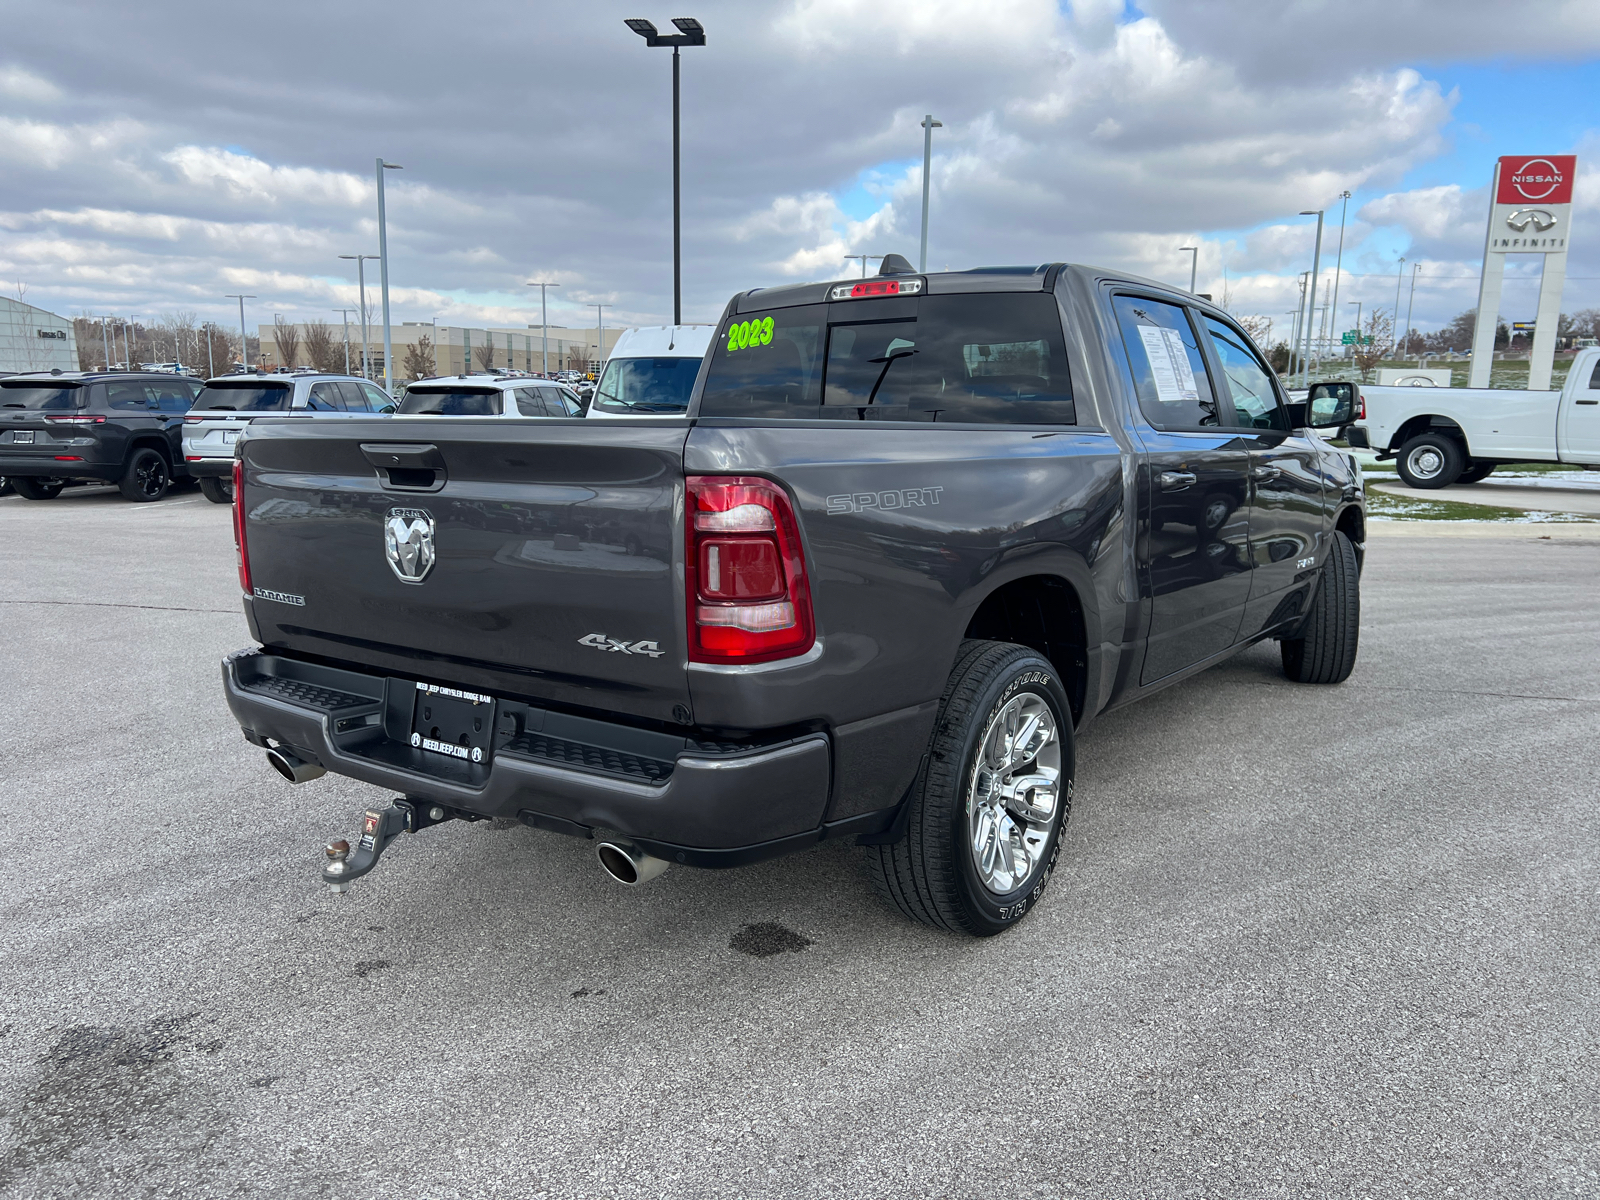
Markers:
point(1194, 263)
point(345, 313)
point(361, 283)
point(600, 322)
point(544, 320)
point(1311, 309)
point(690, 33)
point(928, 126)
point(244, 337)
point(383, 275)
point(865, 258)
point(1338, 262)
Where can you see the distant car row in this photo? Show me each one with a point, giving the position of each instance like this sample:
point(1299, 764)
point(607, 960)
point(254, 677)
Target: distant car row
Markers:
point(144, 431)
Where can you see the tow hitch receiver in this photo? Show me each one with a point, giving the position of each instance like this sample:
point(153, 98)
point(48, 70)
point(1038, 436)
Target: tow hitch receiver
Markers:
point(379, 827)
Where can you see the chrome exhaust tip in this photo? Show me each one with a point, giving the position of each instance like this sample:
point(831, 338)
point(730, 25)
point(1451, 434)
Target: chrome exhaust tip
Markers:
point(292, 767)
point(628, 864)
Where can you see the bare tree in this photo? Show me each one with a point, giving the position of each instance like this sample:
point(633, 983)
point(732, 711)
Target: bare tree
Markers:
point(484, 354)
point(287, 335)
point(215, 351)
point(1256, 327)
point(1374, 343)
point(324, 350)
point(419, 362)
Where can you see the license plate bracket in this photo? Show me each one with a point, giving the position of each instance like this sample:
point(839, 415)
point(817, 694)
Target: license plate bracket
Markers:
point(453, 723)
point(22, 437)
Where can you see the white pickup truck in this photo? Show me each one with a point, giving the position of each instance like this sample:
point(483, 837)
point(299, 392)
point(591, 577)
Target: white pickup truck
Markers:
point(1441, 436)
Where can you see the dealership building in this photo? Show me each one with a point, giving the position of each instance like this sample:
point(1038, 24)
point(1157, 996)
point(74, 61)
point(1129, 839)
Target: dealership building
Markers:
point(457, 349)
point(32, 339)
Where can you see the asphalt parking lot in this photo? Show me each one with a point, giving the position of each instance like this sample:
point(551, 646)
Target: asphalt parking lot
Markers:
point(1305, 942)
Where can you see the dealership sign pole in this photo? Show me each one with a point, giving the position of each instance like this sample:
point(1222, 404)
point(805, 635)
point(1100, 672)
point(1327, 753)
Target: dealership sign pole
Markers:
point(1530, 213)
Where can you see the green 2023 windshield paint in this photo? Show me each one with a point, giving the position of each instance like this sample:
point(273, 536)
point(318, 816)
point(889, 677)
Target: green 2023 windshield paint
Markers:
point(749, 334)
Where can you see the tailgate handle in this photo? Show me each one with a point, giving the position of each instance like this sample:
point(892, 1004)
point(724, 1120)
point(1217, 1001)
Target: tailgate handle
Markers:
point(406, 466)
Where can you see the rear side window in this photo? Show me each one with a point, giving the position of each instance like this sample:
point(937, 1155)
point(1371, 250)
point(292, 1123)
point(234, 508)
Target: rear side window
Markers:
point(992, 359)
point(244, 397)
point(451, 402)
point(38, 397)
point(325, 397)
point(647, 385)
point(529, 403)
point(1169, 372)
point(123, 396)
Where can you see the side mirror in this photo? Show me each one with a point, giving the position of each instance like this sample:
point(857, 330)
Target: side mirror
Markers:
point(1330, 405)
point(387, 408)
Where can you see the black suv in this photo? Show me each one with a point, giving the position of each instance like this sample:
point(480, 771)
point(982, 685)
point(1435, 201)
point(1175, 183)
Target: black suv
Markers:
point(120, 427)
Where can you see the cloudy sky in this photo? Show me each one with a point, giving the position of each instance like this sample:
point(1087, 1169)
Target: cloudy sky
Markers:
point(157, 157)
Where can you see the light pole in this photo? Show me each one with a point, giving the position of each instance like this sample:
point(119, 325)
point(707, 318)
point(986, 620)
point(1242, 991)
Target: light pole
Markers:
point(1338, 263)
point(600, 320)
point(361, 282)
point(1357, 344)
point(690, 33)
point(1399, 277)
point(928, 126)
point(1194, 263)
point(211, 357)
point(434, 321)
point(544, 327)
point(105, 344)
point(1410, 302)
point(863, 258)
point(244, 337)
point(1311, 312)
point(383, 275)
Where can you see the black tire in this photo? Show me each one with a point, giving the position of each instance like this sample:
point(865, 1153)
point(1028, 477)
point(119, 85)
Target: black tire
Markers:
point(1476, 471)
point(37, 488)
point(1431, 460)
point(218, 490)
point(146, 477)
point(930, 874)
point(1325, 651)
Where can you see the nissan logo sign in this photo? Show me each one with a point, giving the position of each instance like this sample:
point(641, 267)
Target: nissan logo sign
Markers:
point(1536, 178)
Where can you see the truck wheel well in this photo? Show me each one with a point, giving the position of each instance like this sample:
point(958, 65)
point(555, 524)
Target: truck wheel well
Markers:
point(1352, 525)
point(1422, 424)
point(1044, 613)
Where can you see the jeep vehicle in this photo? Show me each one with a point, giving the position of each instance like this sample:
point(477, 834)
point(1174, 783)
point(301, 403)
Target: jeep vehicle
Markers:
point(58, 428)
point(917, 532)
point(229, 403)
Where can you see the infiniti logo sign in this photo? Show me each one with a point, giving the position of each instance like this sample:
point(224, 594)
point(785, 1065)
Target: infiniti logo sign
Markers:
point(408, 543)
point(1537, 217)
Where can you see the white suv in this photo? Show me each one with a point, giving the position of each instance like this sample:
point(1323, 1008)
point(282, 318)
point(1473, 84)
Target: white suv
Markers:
point(489, 396)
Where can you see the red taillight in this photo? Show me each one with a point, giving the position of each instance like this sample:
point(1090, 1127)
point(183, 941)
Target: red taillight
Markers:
point(69, 458)
point(77, 420)
point(238, 528)
point(192, 458)
point(746, 574)
point(1361, 406)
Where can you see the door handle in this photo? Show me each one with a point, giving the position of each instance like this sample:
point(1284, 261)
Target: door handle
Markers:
point(1176, 481)
point(1263, 474)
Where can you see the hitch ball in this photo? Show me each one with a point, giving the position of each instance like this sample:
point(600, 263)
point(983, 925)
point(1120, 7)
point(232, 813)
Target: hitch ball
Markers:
point(338, 852)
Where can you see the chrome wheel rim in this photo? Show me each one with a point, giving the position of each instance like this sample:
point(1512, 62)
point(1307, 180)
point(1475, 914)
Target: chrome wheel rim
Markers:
point(1014, 793)
point(1425, 462)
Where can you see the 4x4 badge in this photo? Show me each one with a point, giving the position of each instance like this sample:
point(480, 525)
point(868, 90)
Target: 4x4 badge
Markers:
point(600, 641)
point(408, 543)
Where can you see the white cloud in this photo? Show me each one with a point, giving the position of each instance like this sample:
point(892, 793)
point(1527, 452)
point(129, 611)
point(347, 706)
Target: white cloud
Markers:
point(19, 83)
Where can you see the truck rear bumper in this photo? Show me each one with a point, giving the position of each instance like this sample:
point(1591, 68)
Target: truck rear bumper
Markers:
point(704, 805)
point(209, 468)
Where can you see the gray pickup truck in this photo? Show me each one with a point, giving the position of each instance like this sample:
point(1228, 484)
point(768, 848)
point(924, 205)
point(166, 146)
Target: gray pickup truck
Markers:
point(918, 531)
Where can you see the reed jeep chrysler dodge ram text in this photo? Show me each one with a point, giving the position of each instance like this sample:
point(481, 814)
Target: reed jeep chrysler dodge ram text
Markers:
point(917, 531)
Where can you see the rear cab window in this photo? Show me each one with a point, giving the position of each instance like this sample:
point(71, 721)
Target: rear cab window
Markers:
point(988, 358)
point(451, 402)
point(244, 396)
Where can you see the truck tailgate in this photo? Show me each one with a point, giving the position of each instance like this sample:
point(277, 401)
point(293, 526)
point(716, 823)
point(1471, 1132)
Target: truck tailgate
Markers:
point(547, 554)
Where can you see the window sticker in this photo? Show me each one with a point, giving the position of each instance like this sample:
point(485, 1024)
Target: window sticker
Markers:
point(749, 334)
point(1169, 365)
